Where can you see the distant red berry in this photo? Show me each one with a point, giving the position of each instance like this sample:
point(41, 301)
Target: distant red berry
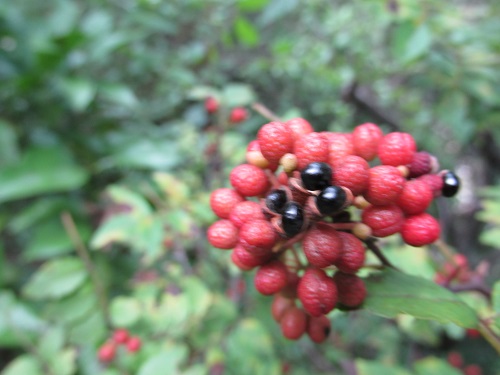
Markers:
point(280, 305)
point(353, 173)
point(318, 328)
point(134, 344)
point(322, 246)
point(258, 236)
point(120, 336)
point(455, 359)
point(397, 148)
point(420, 230)
point(384, 185)
point(299, 126)
point(473, 333)
point(351, 289)
point(383, 220)
point(238, 114)
point(309, 148)
point(365, 139)
point(107, 352)
point(353, 254)
point(223, 200)
point(415, 197)
point(293, 323)
point(223, 234)
point(271, 277)
point(247, 261)
point(275, 140)
point(249, 180)
point(472, 370)
point(340, 145)
point(246, 211)
point(317, 292)
point(211, 105)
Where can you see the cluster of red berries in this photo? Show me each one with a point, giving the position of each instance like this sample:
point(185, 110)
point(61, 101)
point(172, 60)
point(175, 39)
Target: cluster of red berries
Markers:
point(304, 185)
point(237, 114)
point(457, 271)
point(107, 351)
point(456, 360)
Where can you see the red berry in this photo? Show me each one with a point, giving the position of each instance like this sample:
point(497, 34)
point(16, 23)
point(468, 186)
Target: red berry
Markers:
point(365, 139)
point(420, 230)
point(271, 277)
point(280, 305)
point(353, 252)
point(434, 181)
point(317, 292)
point(309, 148)
point(397, 149)
point(415, 197)
point(246, 261)
point(238, 114)
point(223, 200)
point(352, 172)
point(422, 163)
point(299, 126)
point(249, 180)
point(351, 289)
point(223, 234)
point(473, 333)
point(461, 260)
point(107, 352)
point(340, 145)
point(211, 105)
point(322, 246)
point(120, 336)
point(246, 211)
point(455, 359)
point(473, 370)
point(134, 344)
point(384, 185)
point(318, 328)
point(293, 323)
point(275, 140)
point(383, 220)
point(258, 236)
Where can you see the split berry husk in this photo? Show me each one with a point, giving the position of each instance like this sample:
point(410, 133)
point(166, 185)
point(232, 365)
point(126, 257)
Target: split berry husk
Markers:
point(451, 184)
point(331, 200)
point(276, 200)
point(292, 219)
point(316, 176)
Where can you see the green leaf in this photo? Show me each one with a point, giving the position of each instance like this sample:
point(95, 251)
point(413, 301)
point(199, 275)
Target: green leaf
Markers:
point(277, 9)
point(51, 342)
point(125, 311)
point(392, 292)
point(365, 367)
point(23, 365)
point(118, 228)
point(40, 210)
point(90, 331)
point(495, 297)
point(434, 366)
point(79, 92)
point(73, 307)
point(8, 144)
point(40, 170)
point(235, 95)
point(119, 94)
point(56, 279)
point(490, 237)
point(252, 5)
point(124, 196)
point(418, 43)
point(167, 361)
point(198, 296)
point(246, 33)
point(64, 362)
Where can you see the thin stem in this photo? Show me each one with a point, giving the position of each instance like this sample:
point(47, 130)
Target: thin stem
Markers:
point(83, 253)
point(341, 226)
point(475, 284)
point(370, 243)
point(489, 335)
point(265, 112)
point(446, 251)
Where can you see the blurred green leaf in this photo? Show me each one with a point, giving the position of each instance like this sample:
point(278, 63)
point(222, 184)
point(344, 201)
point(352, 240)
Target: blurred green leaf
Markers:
point(125, 311)
point(277, 9)
point(490, 237)
point(246, 33)
point(252, 5)
point(495, 300)
point(51, 342)
point(418, 43)
point(365, 367)
point(126, 197)
point(235, 95)
point(392, 292)
point(435, 366)
point(9, 152)
point(55, 279)
point(78, 91)
point(90, 331)
point(118, 228)
point(23, 365)
point(198, 296)
point(119, 94)
point(40, 170)
point(74, 307)
point(166, 361)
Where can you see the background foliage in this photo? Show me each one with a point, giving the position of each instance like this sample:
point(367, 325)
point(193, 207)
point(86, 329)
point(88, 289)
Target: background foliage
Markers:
point(107, 159)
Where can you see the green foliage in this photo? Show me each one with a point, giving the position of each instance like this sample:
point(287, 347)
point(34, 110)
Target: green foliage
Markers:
point(103, 122)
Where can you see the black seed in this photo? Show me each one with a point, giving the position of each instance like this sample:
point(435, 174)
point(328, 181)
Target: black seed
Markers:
point(326, 331)
point(292, 219)
point(330, 200)
point(276, 200)
point(316, 176)
point(451, 184)
point(342, 217)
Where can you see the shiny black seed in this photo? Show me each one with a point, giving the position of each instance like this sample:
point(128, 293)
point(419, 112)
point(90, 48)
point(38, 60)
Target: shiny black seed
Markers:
point(292, 219)
point(330, 200)
point(451, 184)
point(276, 200)
point(316, 176)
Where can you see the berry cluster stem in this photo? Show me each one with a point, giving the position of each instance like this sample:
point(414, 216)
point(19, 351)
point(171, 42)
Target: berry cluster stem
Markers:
point(370, 243)
point(265, 112)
